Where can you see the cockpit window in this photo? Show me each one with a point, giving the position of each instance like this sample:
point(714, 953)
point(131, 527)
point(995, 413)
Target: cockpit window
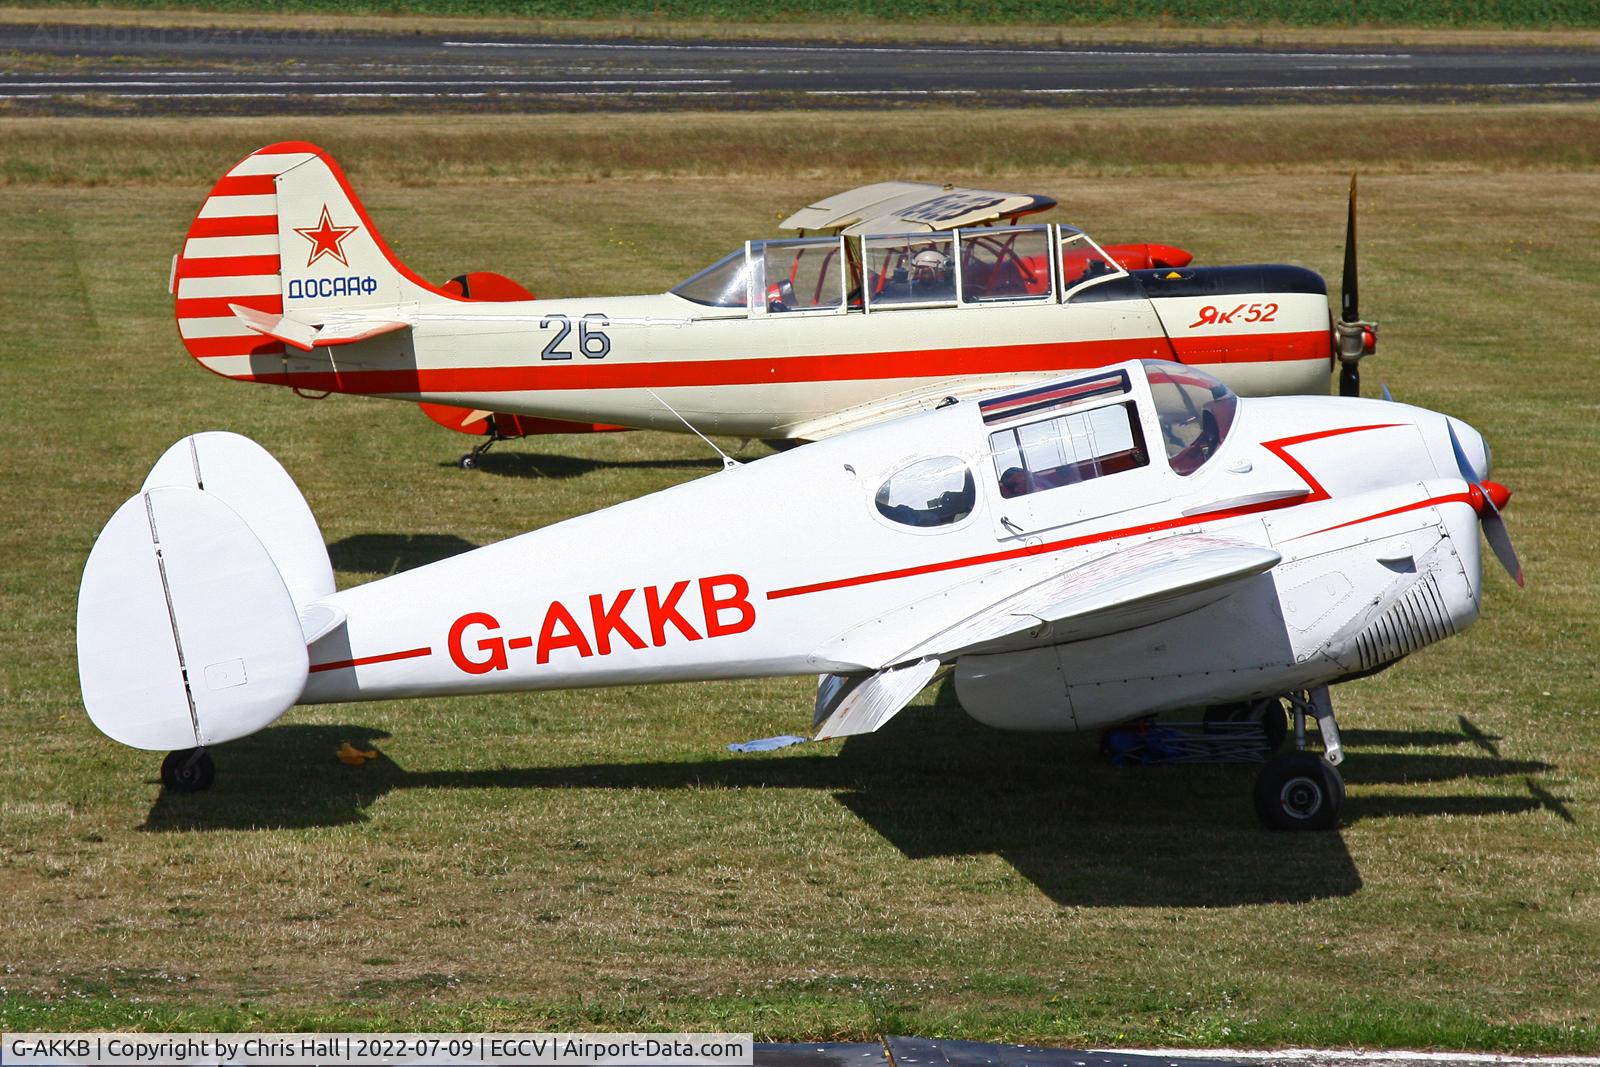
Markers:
point(1010, 263)
point(915, 269)
point(929, 492)
point(724, 284)
point(1083, 261)
point(1194, 410)
point(1068, 449)
point(803, 274)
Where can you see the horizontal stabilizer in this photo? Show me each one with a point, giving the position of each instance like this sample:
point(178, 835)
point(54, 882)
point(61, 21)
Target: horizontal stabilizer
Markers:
point(187, 636)
point(849, 705)
point(305, 335)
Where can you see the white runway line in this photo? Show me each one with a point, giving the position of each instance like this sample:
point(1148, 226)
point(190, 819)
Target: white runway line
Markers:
point(914, 50)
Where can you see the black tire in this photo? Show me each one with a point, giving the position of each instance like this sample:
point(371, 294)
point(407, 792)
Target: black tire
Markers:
point(188, 770)
point(1299, 791)
point(468, 461)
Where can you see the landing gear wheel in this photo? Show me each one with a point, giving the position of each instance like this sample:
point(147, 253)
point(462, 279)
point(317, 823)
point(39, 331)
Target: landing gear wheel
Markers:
point(468, 461)
point(1299, 791)
point(188, 770)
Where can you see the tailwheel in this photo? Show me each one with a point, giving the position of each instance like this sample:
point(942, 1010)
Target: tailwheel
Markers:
point(188, 770)
point(1299, 791)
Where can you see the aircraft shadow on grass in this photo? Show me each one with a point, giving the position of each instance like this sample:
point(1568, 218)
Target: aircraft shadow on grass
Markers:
point(933, 783)
point(382, 553)
point(548, 465)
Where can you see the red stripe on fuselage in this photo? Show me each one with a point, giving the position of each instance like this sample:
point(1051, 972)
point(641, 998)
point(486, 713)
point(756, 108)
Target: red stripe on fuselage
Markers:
point(854, 366)
point(1276, 447)
point(362, 661)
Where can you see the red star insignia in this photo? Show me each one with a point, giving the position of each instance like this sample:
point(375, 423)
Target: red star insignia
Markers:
point(326, 238)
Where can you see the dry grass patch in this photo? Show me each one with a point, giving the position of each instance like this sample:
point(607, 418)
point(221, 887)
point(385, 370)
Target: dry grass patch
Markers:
point(798, 27)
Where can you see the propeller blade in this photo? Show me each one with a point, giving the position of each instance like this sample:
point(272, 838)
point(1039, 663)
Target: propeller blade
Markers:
point(1494, 528)
point(1383, 387)
point(1349, 379)
point(1468, 471)
point(1350, 295)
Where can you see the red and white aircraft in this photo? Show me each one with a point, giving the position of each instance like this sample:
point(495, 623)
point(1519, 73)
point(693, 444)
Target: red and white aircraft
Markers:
point(913, 297)
point(1081, 553)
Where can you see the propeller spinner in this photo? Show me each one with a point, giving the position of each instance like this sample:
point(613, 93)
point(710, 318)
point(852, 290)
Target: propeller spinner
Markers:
point(1353, 338)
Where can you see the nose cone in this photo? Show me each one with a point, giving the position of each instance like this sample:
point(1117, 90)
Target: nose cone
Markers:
point(1472, 449)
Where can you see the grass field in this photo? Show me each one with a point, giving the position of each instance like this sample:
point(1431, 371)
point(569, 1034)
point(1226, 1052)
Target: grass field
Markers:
point(597, 860)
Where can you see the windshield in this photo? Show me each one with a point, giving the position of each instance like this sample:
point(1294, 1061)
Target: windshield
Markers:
point(1195, 412)
point(724, 284)
point(1083, 261)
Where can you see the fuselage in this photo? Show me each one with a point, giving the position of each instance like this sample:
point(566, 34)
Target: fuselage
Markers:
point(814, 561)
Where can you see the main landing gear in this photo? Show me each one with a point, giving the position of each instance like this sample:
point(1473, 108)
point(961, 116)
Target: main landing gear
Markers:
point(1301, 790)
point(188, 770)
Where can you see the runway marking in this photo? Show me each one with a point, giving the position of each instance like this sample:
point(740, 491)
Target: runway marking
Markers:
point(913, 50)
point(522, 89)
point(1319, 88)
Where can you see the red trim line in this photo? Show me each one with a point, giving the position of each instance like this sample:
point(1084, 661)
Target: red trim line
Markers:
point(855, 366)
point(1453, 498)
point(235, 226)
point(226, 266)
point(244, 185)
point(1276, 447)
point(204, 307)
point(362, 661)
point(249, 345)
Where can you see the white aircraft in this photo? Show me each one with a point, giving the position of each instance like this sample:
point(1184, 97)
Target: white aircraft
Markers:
point(920, 292)
point(1107, 545)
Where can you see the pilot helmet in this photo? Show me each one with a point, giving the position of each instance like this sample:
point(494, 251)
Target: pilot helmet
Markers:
point(930, 262)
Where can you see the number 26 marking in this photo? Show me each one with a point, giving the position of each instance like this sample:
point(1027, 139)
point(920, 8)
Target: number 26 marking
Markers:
point(593, 343)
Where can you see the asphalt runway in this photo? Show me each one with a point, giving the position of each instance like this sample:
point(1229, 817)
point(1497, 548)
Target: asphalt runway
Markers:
point(72, 69)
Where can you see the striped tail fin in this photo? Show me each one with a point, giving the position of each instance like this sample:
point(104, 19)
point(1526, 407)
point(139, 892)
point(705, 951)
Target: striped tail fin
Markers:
point(281, 234)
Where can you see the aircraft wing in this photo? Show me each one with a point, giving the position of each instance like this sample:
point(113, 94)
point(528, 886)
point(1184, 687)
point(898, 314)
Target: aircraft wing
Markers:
point(1132, 587)
point(907, 207)
point(881, 409)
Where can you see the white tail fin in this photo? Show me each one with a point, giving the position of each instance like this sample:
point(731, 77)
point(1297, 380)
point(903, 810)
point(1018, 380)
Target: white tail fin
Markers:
point(244, 476)
point(283, 234)
point(199, 599)
point(186, 633)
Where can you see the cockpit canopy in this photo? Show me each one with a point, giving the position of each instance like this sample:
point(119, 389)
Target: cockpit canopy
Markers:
point(917, 269)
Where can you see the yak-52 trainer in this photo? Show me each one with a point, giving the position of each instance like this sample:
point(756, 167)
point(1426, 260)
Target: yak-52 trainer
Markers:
point(1081, 553)
point(911, 293)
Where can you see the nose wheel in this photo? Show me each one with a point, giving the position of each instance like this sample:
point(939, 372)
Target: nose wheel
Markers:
point(1301, 790)
point(189, 770)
